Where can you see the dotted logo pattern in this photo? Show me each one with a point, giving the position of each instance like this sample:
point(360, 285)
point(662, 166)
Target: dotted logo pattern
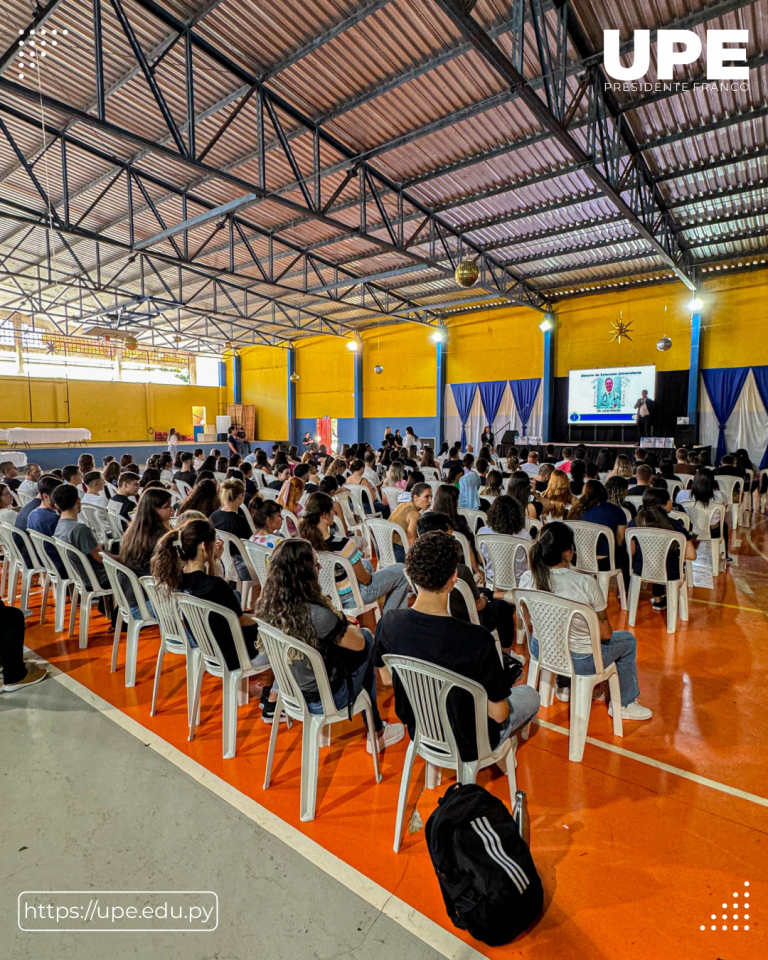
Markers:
point(34, 48)
point(743, 906)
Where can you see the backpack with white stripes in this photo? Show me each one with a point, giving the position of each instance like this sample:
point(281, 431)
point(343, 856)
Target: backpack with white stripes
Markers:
point(486, 872)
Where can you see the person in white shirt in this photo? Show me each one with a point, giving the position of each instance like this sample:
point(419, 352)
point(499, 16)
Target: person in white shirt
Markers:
point(532, 466)
point(199, 459)
point(94, 487)
point(173, 442)
point(7, 513)
point(411, 440)
point(550, 562)
point(369, 473)
point(28, 485)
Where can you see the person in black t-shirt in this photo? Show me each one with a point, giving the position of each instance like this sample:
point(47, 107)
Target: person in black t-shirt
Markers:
point(231, 519)
point(283, 473)
point(179, 565)
point(124, 501)
point(643, 477)
point(427, 631)
point(187, 473)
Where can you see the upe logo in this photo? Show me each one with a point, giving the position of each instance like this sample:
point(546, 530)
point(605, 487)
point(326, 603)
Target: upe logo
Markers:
point(689, 50)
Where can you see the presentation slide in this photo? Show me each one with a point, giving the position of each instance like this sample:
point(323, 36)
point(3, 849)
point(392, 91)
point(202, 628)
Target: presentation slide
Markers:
point(606, 395)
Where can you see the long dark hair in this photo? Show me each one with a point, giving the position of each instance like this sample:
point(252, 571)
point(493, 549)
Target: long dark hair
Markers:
point(111, 472)
point(594, 495)
point(667, 469)
point(703, 487)
point(262, 510)
point(208, 464)
point(446, 501)
point(145, 529)
point(652, 512)
point(519, 488)
point(316, 505)
point(604, 460)
point(150, 474)
point(291, 586)
point(505, 515)
point(176, 547)
point(204, 496)
point(546, 552)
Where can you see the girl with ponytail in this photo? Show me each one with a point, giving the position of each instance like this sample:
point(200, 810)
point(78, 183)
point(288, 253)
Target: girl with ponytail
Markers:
point(179, 565)
point(551, 572)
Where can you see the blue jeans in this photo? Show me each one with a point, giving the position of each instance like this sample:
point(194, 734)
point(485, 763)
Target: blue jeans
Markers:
point(388, 582)
point(621, 649)
point(364, 678)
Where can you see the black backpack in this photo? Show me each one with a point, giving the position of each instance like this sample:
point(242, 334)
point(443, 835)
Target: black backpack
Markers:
point(486, 872)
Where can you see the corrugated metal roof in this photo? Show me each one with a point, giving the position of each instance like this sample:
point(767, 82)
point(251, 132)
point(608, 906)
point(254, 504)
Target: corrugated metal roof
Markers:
point(395, 83)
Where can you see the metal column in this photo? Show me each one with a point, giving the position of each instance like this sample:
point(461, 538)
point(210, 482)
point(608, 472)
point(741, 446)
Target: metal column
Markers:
point(291, 372)
point(693, 374)
point(548, 385)
point(357, 359)
point(440, 358)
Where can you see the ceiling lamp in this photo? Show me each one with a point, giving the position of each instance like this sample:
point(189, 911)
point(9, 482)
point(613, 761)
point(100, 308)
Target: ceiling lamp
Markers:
point(131, 343)
point(438, 336)
point(352, 346)
point(695, 305)
point(467, 273)
point(546, 324)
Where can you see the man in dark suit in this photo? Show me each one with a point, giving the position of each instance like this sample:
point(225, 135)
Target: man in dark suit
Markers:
point(644, 406)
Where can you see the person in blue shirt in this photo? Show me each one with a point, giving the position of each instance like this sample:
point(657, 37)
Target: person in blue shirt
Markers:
point(45, 487)
point(594, 507)
point(45, 518)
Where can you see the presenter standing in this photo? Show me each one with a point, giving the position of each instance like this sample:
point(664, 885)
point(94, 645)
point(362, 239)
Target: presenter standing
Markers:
point(644, 406)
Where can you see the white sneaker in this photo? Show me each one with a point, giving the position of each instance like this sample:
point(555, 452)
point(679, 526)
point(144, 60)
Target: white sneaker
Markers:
point(563, 694)
point(632, 711)
point(393, 733)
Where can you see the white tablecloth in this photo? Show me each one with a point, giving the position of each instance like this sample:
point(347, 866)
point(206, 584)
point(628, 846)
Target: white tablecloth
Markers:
point(53, 435)
point(15, 456)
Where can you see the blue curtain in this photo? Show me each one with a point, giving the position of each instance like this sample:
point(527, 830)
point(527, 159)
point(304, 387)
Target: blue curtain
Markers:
point(491, 392)
point(464, 395)
point(761, 379)
point(724, 387)
point(525, 393)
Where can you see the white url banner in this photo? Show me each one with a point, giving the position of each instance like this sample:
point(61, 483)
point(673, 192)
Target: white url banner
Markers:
point(104, 911)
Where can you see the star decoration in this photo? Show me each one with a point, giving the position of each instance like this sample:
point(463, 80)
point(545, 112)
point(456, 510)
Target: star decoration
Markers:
point(621, 329)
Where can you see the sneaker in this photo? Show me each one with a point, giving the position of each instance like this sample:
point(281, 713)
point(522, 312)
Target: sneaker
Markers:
point(264, 698)
point(268, 712)
point(632, 711)
point(563, 694)
point(659, 603)
point(393, 733)
point(34, 675)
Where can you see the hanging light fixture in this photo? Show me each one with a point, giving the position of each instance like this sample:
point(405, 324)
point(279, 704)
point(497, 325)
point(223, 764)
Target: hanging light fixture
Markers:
point(664, 344)
point(467, 273)
point(294, 378)
point(695, 305)
point(131, 343)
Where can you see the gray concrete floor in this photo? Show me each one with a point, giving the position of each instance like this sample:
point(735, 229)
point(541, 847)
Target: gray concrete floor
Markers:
point(95, 809)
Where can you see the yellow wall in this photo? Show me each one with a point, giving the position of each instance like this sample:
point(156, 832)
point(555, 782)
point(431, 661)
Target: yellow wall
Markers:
point(584, 331)
point(111, 411)
point(406, 387)
point(495, 345)
point(326, 378)
point(733, 317)
point(265, 384)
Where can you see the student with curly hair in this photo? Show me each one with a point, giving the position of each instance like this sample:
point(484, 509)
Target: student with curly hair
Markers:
point(428, 632)
point(293, 602)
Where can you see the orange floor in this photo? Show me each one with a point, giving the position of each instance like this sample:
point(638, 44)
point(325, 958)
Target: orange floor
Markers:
point(635, 858)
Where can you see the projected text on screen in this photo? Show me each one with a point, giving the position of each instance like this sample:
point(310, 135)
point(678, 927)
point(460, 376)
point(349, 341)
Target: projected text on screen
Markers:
point(608, 395)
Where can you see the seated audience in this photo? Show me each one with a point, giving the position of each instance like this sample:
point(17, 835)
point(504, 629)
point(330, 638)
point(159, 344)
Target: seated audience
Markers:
point(28, 485)
point(604, 463)
point(683, 467)
point(542, 478)
point(18, 674)
point(550, 560)
point(110, 475)
point(293, 602)
point(446, 500)
point(407, 514)
point(427, 631)
point(7, 510)
point(9, 474)
point(230, 518)
point(187, 473)
point(124, 501)
point(94, 495)
point(643, 477)
point(357, 478)
point(494, 487)
point(203, 497)
point(70, 530)
point(594, 507)
point(654, 512)
point(151, 521)
point(704, 492)
point(578, 473)
point(267, 519)
point(316, 526)
point(531, 466)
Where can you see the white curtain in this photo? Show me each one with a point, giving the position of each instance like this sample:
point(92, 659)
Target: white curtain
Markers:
point(475, 423)
point(535, 421)
point(452, 419)
point(505, 415)
point(747, 426)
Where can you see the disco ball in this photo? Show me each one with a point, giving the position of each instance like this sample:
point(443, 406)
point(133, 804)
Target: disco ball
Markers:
point(664, 344)
point(467, 273)
point(294, 378)
point(378, 369)
point(131, 343)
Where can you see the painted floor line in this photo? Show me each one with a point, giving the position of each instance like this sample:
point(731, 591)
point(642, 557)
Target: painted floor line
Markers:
point(728, 606)
point(666, 767)
point(377, 896)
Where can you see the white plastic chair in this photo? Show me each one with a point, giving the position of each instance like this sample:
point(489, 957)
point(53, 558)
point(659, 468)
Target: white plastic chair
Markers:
point(134, 625)
point(533, 526)
point(60, 584)
point(701, 522)
point(501, 555)
point(259, 555)
point(260, 478)
point(475, 518)
point(197, 614)
point(636, 502)
point(383, 533)
point(183, 487)
point(362, 498)
point(230, 567)
point(655, 544)
point(463, 590)
point(278, 647)
point(392, 495)
point(97, 520)
point(728, 487)
point(173, 639)
point(674, 487)
point(290, 527)
point(435, 485)
point(586, 536)
point(428, 687)
point(465, 548)
point(267, 493)
point(551, 621)
point(23, 498)
point(430, 473)
point(85, 587)
point(19, 570)
point(679, 514)
point(247, 514)
point(117, 526)
point(327, 576)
